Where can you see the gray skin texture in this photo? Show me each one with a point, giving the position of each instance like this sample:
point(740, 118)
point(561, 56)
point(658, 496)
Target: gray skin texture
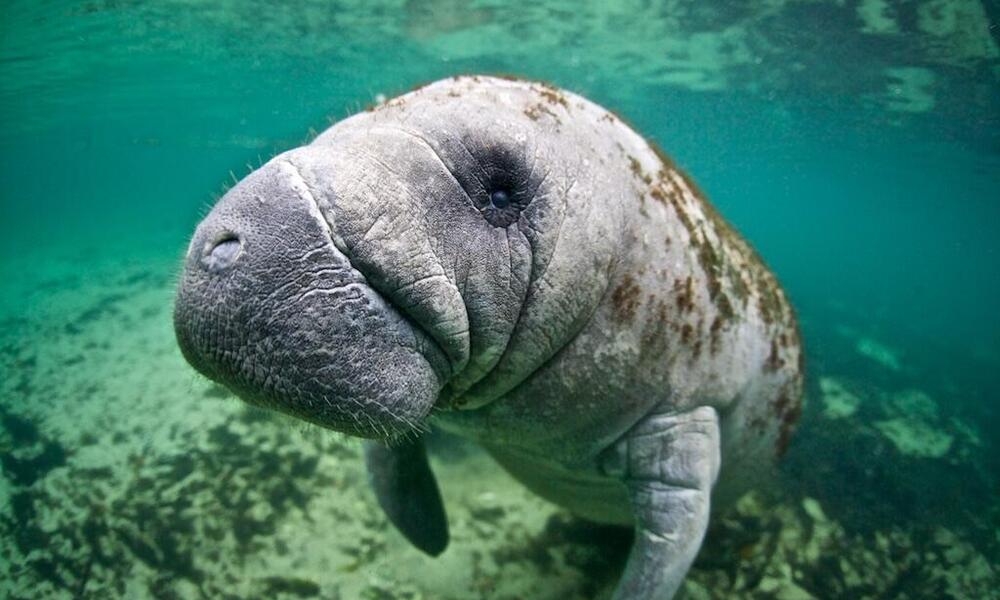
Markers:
point(514, 264)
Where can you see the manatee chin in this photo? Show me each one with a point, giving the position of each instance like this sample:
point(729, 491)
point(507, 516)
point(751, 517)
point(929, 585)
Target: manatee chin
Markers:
point(269, 307)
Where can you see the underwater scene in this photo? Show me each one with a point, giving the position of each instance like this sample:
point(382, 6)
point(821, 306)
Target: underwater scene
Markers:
point(854, 143)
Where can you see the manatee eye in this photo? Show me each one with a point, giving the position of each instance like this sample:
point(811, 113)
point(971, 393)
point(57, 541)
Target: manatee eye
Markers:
point(499, 199)
point(504, 205)
point(504, 180)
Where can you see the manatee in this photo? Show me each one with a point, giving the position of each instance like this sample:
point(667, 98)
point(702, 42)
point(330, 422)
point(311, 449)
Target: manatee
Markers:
point(513, 264)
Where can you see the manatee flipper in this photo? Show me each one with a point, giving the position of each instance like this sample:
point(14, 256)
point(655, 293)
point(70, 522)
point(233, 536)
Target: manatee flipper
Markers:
point(408, 493)
point(669, 463)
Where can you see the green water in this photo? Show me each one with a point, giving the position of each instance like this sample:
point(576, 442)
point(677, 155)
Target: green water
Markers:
point(855, 144)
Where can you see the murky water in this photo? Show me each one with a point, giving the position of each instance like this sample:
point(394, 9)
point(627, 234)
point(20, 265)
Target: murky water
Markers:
point(855, 144)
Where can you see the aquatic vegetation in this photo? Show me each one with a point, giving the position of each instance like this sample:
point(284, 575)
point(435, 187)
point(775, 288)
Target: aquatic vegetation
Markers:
point(915, 437)
point(838, 401)
point(773, 550)
point(916, 428)
point(878, 352)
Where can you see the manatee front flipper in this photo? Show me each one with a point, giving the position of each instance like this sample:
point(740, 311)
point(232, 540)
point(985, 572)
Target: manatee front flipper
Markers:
point(669, 462)
point(406, 490)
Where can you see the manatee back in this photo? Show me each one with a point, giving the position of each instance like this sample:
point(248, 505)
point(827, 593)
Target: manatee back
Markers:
point(712, 317)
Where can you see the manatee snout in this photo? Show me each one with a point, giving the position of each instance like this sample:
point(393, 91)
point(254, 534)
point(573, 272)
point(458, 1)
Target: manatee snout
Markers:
point(268, 306)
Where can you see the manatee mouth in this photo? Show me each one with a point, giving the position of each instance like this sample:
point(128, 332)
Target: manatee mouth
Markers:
point(338, 356)
point(269, 307)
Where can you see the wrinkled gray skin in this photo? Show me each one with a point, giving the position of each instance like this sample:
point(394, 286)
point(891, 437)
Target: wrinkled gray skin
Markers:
point(594, 325)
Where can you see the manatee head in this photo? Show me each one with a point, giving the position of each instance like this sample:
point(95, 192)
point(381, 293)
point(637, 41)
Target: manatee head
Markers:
point(433, 252)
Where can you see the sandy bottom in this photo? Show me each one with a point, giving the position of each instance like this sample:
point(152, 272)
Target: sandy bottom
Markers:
point(127, 475)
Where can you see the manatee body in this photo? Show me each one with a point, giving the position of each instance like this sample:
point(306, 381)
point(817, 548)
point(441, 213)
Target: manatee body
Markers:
point(514, 264)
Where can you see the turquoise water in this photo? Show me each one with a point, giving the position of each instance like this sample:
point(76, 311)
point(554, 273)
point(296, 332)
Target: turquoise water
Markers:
point(855, 144)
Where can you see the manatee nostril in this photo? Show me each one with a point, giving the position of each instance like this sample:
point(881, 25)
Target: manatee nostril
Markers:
point(222, 254)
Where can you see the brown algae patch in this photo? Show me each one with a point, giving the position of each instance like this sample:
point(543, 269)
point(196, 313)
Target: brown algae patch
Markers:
point(625, 299)
point(788, 410)
point(733, 269)
point(685, 295)
point(636, 169)
point(552, 94)
point(536, 111)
